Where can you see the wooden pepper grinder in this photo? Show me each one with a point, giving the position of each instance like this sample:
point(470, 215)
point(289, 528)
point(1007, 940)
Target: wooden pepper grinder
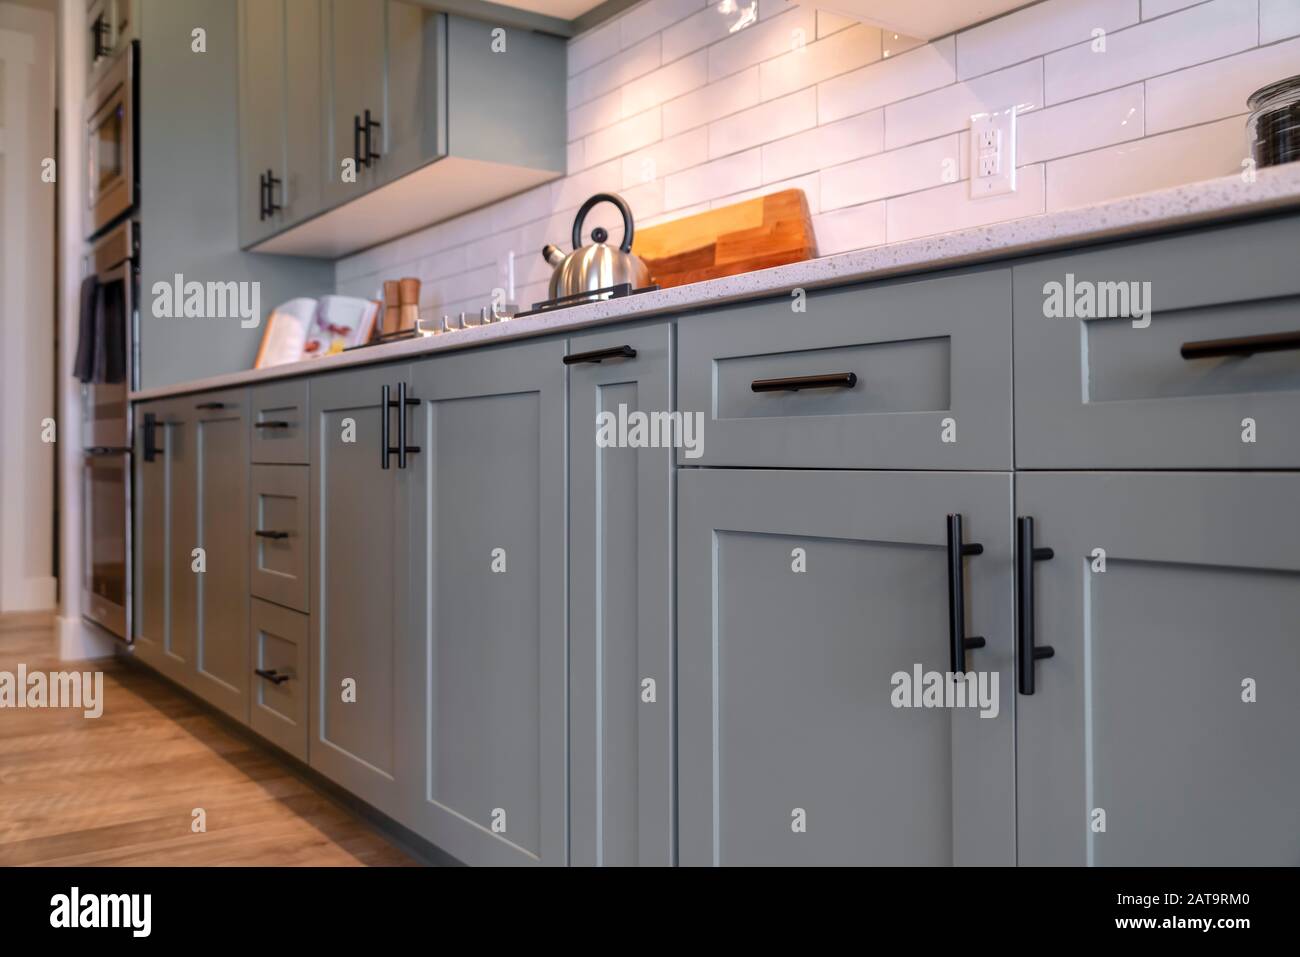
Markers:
point(408, 304)
point(392, 307)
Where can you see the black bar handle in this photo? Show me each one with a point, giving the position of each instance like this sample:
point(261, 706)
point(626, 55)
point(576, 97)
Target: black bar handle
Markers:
point(210, 405)
point(1241, 346)
point(1027, 652)
point(384, 403)
point(272, 181)
point(356, 142)
point(272, 676)
point(600, 355)
point(263, 533)
point(261, 196)
point(834, 380)
point(272, 424)
point(958, 643)
point(369, 125)
point(151, 449)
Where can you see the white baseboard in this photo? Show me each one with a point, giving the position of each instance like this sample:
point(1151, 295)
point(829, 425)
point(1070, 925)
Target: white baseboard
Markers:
point(30, 594)
point(80, 640)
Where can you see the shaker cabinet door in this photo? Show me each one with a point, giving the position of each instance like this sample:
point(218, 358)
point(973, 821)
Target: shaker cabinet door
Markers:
point(484, 660)
point(356, 585)
point(1161, 731)
point(261, 115)
point(620, 606)
point(810, 603)
point(159, 442)
point(355, 75)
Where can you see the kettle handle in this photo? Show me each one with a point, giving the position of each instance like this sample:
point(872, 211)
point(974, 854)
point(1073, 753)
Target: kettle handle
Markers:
point(626, 245)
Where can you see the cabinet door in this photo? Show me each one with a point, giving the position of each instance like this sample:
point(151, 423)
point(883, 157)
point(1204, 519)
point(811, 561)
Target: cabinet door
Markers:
point(486, 659)
point(221, 522)
point(357, 586)
point(416, 65)
point(621, 607)
point(304, 117)
point(261, 113)
point(152, 506)
point(358, 29)
point(1169, 703)
point(799, 737)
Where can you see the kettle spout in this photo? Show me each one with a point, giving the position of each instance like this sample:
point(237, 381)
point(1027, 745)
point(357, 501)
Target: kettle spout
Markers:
point(552, 254)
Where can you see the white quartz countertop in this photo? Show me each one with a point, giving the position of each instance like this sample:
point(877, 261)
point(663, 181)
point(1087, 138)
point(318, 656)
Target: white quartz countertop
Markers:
point(1204, 202)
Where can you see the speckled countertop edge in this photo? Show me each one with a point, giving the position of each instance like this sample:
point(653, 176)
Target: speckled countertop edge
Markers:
point(1208, 201)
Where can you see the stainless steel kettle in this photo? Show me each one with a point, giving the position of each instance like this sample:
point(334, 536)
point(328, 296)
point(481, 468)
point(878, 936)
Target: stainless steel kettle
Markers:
point(597, 266)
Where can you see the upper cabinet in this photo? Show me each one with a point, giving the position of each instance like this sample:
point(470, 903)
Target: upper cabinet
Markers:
point(923, 19)
point(362, 120)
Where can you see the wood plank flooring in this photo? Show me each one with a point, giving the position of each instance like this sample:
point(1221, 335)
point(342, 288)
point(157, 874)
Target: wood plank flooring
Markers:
point(120, 789)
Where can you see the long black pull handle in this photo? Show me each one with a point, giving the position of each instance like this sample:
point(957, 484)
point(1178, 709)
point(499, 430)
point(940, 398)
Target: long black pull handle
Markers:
point(384, 450)
point(1027, 652)
point(958, 643)
point(272, 181)
point(210, 405)
point(1241, 346)
point(272, 424)
point(272, 676)
point(402, 448)
point(151, 449)
point(356, 143)
point(261, 197)
point(264, 533)
point(370, 124)
point(600, 355)
point(835, 380)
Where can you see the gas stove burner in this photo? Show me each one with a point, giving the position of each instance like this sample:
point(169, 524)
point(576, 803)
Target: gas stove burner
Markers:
point(620, 291)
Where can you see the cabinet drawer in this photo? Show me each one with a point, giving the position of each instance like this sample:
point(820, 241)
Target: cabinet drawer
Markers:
point(921, 370)
point(280, 423)
point(1102, 385)
point(278, 536)
point(280, 672)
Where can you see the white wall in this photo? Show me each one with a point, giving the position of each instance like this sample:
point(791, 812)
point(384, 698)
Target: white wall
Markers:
point(669, 108)
point(27, 317)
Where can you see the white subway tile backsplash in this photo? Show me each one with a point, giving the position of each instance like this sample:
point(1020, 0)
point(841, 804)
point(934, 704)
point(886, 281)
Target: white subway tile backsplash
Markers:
point(1157, 162)
point(950, 207)
point(854, 227)
point(1278, 19)
point(1182, 39)
point(701, 183)
point(1215, 90)
point(731, 95)
point(762, 41)
point(950, 108)
point(838, 53)
point(829, 145)
point(677, 78)
point(755, 126)
point(667, 156)
point(1080, 125)
point(908, 170)
point(1036, 30)
point(888, 81)
point(678, 113)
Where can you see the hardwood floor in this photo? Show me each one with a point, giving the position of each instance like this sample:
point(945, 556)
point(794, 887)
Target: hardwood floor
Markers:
point(120, 789)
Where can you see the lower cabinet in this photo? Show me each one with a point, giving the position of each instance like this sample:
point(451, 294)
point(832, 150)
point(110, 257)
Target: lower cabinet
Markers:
point(482, 661)
point(1161, 731)
point(810, 603)
point(359, 589)
point(280, 674)
point(621, 702)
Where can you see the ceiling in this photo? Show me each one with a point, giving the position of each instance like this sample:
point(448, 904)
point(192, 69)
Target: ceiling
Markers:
point(561, 9)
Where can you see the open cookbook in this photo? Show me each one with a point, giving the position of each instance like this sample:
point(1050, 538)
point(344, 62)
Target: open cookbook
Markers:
point(309, 328)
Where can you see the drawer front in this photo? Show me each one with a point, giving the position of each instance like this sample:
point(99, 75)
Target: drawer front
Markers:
point(1117, 365)
point(913, 374)
point(278, 536)
point(279, 678)
point(280, 423)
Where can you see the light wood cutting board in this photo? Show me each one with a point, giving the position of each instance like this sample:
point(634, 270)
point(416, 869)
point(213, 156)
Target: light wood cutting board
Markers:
point(754, 234)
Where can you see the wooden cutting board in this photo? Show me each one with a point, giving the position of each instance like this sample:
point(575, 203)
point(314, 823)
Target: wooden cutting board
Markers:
point(757, 233)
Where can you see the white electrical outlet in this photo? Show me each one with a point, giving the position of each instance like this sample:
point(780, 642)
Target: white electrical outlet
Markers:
point(993, 153)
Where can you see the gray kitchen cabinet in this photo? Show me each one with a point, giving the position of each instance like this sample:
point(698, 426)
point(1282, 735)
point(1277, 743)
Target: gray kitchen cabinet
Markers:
point(216, 522)
point(278, 540)
point(621, 669)
point(280, 115)
point(358, 587)
point(415, 87)
point(1170, 604)
point(356, 73)
point(279, 422)
point(483, 660)
point(280, 675)
point(905, 374)
point(791, 749)
point(1209, 380)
